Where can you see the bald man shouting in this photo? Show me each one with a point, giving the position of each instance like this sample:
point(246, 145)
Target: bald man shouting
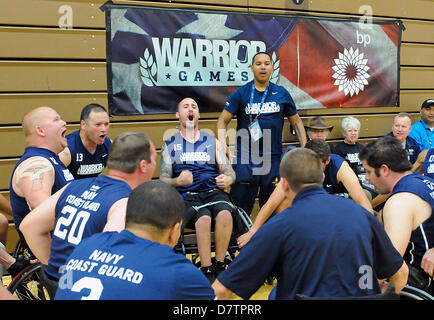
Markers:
point(39, 173)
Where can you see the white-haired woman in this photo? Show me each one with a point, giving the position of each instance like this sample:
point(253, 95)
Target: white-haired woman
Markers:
point(349, 150)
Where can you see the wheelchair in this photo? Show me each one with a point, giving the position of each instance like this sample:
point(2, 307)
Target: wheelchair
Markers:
point(187, 244)
point(412, 293)
point(29, 283)
point(389, 294)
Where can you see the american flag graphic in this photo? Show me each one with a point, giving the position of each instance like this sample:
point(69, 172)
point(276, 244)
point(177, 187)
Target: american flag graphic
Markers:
point(157, 57)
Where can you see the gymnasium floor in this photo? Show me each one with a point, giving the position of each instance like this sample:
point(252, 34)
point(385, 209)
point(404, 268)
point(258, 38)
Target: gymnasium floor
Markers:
point(261, 294)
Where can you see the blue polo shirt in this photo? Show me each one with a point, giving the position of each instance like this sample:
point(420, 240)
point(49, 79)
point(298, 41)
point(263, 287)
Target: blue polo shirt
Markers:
point(423, 135)
point(321, 246)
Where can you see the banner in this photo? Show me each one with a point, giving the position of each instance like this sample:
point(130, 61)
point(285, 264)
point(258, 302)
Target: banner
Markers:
point(157, 57)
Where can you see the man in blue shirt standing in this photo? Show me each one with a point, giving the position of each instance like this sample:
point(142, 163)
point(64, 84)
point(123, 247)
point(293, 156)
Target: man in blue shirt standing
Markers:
point(139, 262)
point(260, 107)
point(321, 246)
point(422, 131)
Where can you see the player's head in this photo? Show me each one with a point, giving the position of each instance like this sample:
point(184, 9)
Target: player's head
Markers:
point(188, 113)
point(321, 148)
point(386, 151)
point(129, 149)
point(301, 167)
point(155, 207)
point(44, 128)
point(94, 123)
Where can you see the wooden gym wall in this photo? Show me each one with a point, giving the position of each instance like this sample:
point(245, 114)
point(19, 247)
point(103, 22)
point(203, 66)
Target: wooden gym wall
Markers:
point(43, 62)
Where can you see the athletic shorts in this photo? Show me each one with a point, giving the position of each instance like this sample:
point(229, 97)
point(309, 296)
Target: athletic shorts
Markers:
point(201, 198)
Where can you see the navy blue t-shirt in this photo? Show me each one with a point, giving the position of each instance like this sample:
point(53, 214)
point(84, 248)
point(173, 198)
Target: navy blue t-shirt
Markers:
point(81, 211)
point(83, 163)
point(122, 266)
point(321, 246)
point(330, 183)
point(411, 146)
point(198, 157)
point(428, 164)
point(422, 238)
point(278, 104)
point(62, 176)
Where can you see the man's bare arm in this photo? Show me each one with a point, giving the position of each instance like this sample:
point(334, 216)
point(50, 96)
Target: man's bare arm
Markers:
point(37, 226)
point(350, 181)
point(297, 123)
point(166, 172)
point(65, 156)
point(33, 180)
point(227, 176)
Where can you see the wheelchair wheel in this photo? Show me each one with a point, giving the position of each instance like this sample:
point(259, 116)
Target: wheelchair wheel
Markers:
point(413, 293)
point(22, 249)
point(27, 284)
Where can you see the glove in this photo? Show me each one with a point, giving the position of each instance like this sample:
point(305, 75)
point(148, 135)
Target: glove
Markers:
point(20, 263)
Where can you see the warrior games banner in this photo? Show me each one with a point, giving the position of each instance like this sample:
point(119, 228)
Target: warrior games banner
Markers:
point(156, 57)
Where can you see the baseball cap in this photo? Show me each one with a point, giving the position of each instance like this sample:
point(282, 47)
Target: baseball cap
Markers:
point(427, 103)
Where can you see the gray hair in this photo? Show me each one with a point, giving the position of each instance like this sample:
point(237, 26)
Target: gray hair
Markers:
point(350, 122)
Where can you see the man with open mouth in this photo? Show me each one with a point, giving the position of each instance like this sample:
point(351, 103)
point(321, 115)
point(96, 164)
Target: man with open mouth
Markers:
point(39, 173)
point(87, 152)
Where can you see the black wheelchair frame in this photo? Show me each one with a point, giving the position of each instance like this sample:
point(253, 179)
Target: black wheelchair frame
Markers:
point(187, 243)
point(29, 283)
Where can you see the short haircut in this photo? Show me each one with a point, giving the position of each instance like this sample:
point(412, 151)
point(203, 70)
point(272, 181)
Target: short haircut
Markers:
point(350, 122)
point(386, 150)
point(156, 204)
point(320, 147)
point(301, 166)
point(402, 115)
point(95, 107)
point(127, 150)
point(261, 52)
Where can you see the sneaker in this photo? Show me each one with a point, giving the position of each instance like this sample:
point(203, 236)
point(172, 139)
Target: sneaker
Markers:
point(209, 273)
point(219, 266)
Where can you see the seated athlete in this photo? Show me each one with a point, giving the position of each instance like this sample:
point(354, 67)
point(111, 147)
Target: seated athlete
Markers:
point(408, 213)
point(87, 152)
point(195, 163)
point(425, 163)
point(139, 262)
point(39, 173)
point(321, 246)
point(338, 177)
point(88, 206)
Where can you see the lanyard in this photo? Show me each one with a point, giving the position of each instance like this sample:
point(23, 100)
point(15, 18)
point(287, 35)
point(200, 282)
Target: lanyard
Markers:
point(252, 93)
point(427, 134)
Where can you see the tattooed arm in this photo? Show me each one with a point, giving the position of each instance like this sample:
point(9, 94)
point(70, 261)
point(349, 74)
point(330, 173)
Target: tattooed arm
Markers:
point(33, 180)
point(166, 173)
point(227, 174)
point(65, 156)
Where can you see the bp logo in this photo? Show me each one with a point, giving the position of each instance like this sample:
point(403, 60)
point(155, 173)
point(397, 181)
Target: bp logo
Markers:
point(351, 72)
